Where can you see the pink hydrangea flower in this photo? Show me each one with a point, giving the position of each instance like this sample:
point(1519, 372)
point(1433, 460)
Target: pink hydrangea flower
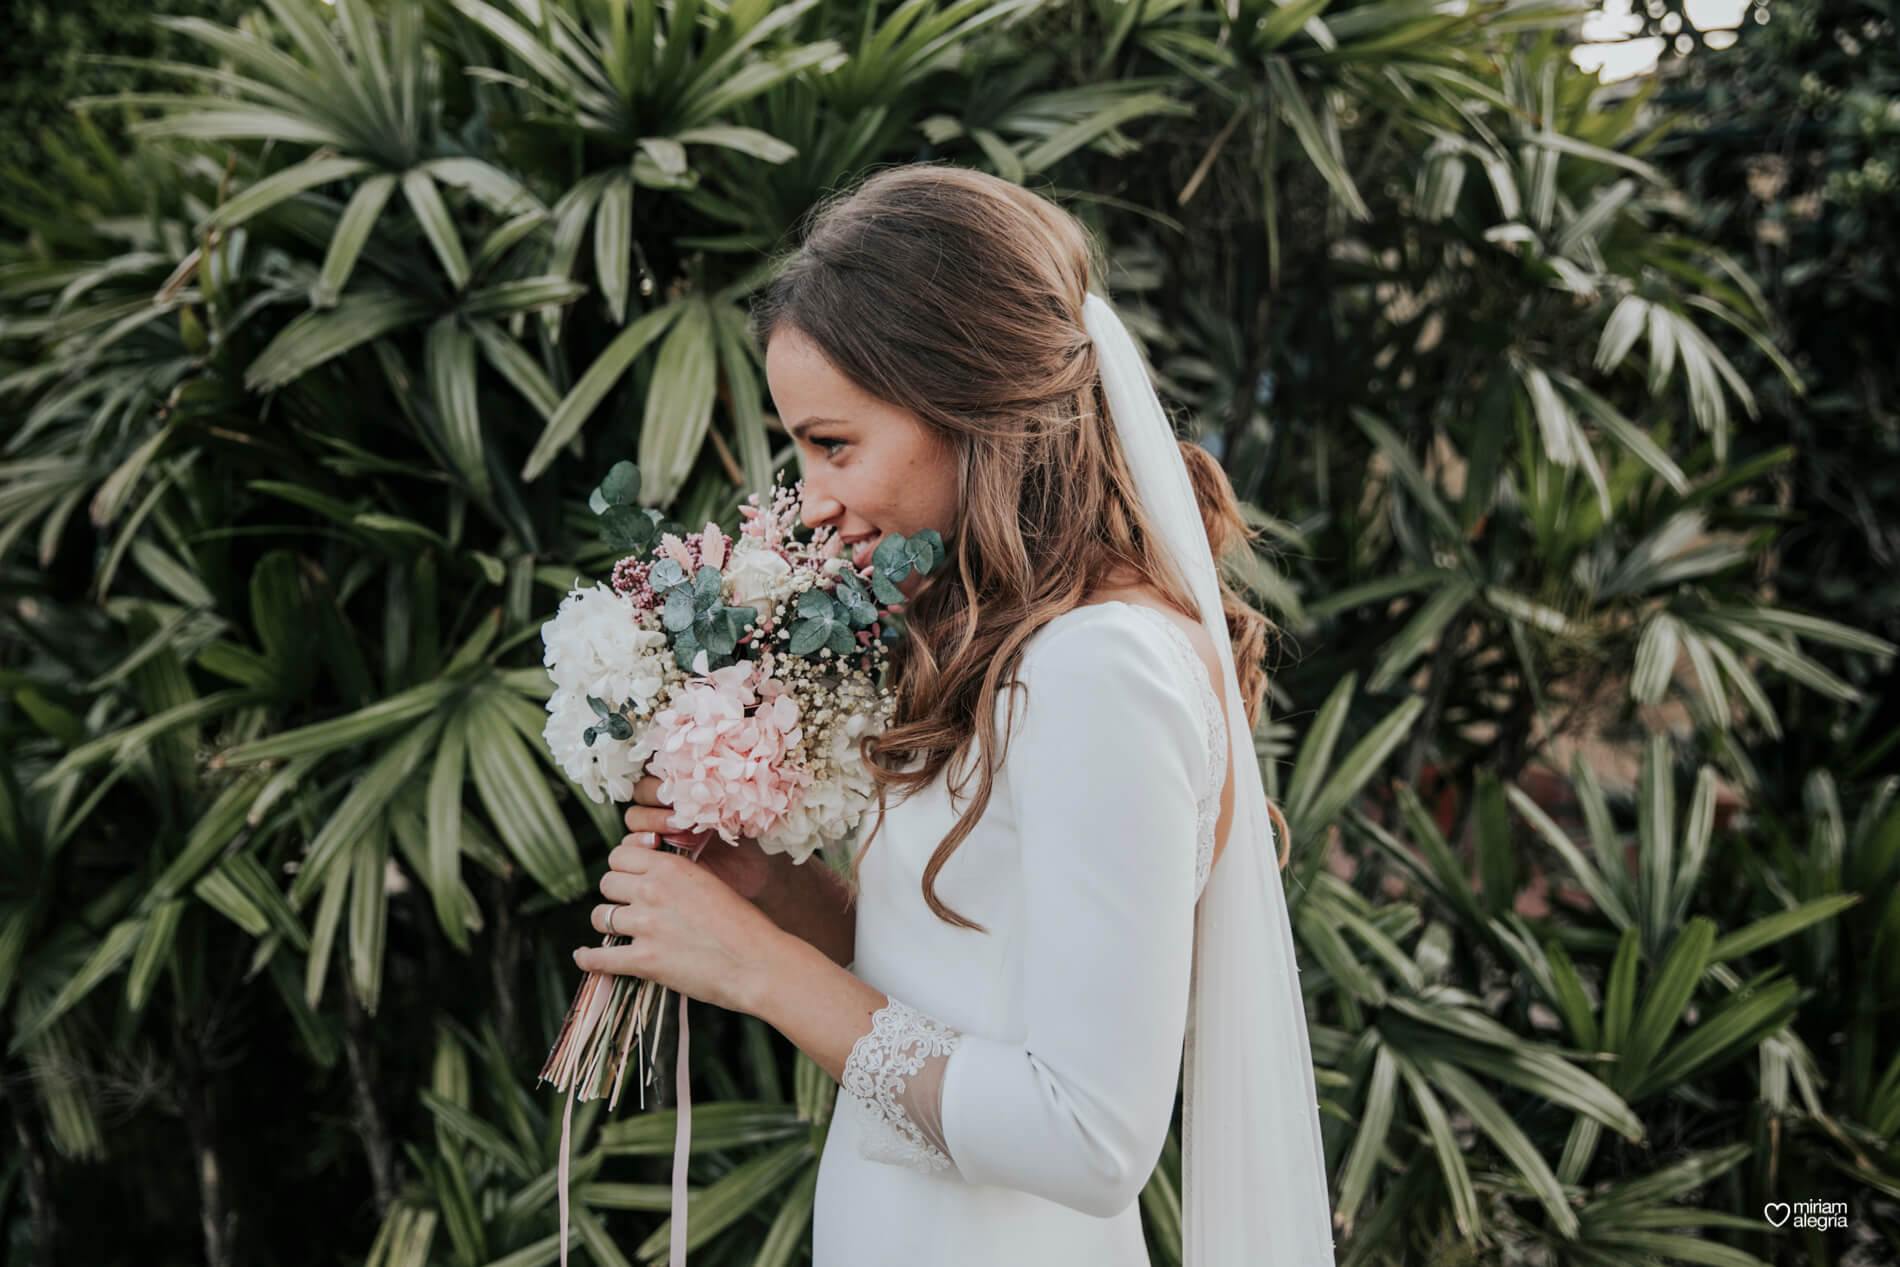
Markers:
point(723, 756)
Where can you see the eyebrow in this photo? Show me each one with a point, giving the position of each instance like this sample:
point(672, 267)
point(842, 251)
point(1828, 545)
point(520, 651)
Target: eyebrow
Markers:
point(799, 428)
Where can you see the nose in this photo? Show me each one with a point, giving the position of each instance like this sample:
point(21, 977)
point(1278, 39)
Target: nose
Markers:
point(818, 509)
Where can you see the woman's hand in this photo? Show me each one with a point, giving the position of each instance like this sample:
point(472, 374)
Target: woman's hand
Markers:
point(806, 899)
point(746, 869)
point(691, 932)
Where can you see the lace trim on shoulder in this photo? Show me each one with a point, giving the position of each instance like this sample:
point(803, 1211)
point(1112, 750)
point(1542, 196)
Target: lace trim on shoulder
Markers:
point(1208, 803)
point(893, 1049)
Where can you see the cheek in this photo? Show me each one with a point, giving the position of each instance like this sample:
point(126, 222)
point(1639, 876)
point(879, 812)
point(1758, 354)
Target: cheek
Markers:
point(930, 472)
point(934, 484)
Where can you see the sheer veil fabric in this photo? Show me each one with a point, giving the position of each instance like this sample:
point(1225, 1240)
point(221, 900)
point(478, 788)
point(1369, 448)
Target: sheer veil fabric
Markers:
point(1253, 1165)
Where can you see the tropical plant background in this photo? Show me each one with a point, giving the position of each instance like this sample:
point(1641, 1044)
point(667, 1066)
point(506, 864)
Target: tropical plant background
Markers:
point(1567, 415)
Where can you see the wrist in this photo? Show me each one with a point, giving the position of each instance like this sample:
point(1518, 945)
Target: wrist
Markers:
point(765, 983)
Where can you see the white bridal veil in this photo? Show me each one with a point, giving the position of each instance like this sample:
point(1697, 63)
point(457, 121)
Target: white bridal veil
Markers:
point(1253, 1166)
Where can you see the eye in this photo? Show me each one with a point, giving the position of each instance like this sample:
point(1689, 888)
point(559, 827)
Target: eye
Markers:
point(827, 441)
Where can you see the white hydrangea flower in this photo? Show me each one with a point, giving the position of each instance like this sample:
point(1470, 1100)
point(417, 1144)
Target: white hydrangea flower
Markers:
point(595, 645)
point(608, 768)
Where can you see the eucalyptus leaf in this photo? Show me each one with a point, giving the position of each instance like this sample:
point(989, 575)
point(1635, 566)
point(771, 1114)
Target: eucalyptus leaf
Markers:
point(622, 485)
point(680, 610)
point(809, 635)
point(627, 529)
point(685, 648)
point(716, 636)
point(665, 575)
point(855, 604)
point(885, 590)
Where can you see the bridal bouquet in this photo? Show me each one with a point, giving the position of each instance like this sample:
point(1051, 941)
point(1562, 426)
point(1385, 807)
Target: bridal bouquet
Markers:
point(742, 672)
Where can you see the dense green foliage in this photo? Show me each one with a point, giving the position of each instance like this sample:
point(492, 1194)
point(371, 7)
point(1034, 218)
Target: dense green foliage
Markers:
point(53, 52)
point(309, 384)
point(1792, 157)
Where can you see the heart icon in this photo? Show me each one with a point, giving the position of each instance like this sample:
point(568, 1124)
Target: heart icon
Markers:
point(1776, 1212)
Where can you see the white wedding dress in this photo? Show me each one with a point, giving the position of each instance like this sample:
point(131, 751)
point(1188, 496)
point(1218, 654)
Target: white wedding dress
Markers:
point(1009, 1104)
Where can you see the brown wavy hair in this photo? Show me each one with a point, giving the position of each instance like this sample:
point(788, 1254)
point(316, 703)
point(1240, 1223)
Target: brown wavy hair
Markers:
point(977, 286)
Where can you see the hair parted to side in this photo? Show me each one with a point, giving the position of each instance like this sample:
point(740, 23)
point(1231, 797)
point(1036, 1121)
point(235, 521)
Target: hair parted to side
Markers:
point(958, 296)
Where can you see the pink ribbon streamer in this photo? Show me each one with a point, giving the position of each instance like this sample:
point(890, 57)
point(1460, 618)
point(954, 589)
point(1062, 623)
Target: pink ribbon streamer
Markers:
point(567, 1127)
point(683, 1129)
point(682, 1134)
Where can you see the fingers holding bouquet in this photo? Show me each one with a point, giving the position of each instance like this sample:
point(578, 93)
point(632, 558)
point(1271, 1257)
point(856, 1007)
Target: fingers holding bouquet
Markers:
point(690, 932)
point(744, 867)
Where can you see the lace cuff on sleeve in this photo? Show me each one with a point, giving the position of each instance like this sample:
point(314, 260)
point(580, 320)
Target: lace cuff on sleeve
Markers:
point(895, 1070)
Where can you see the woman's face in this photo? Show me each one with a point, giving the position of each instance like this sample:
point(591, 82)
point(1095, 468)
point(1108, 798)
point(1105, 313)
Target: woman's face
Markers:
point(871, 468)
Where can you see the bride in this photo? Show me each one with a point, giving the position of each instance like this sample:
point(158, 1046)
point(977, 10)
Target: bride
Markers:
point(1073, 897)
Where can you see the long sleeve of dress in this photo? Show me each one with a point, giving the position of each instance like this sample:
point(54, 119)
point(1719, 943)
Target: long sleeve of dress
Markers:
point(1103, 766)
